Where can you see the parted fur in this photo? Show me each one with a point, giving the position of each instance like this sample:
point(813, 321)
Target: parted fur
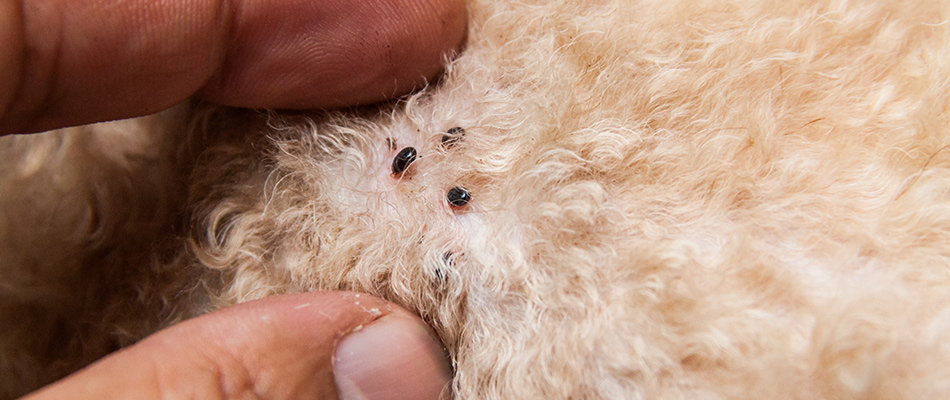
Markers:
point(670, 199)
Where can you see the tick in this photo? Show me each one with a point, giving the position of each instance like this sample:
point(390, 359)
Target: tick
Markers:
point(448, 260)
point(452, 136)
point(405, 157)
point(458, 196)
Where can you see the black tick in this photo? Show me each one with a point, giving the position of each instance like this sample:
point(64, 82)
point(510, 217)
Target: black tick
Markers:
point(405, 157)
point(452, 137)
point(458, 196)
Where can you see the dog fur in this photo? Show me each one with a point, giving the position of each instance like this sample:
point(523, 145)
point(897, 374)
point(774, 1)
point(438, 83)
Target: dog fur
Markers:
point(670, 199)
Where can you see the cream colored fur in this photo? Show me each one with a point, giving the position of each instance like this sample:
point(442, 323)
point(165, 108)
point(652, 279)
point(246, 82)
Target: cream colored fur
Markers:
point(671, 199)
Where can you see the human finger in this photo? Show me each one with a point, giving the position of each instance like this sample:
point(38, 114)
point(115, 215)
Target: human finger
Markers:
point(69, 62)
point(286, 347)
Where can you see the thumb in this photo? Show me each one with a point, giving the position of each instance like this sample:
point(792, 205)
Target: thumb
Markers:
point(309, 345)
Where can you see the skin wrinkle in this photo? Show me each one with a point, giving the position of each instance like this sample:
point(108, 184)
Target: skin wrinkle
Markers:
point(225, 69)
point(230, 11)
point(249, 384)
point(155, 378)
point(221, 383)
point(232, 376)
point(32, 94)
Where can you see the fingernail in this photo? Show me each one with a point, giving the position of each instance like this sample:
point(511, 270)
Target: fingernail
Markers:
point(395, 357)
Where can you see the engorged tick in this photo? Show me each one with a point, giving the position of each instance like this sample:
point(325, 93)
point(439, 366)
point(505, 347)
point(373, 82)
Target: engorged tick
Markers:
point(458, 196)
point(405, 157)
point(452, 136)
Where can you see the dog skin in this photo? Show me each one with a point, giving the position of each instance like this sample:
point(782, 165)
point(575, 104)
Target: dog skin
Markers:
point(744, 199)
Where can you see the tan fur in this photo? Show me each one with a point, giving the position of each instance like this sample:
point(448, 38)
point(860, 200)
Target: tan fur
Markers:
point(671, 199)
point(78, 210)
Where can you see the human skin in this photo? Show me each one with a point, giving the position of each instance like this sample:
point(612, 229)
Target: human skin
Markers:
point(300, 346)
point(70, 62)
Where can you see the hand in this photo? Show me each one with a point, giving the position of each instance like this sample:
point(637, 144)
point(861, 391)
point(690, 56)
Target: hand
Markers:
point(70, 62)
point(299, 346)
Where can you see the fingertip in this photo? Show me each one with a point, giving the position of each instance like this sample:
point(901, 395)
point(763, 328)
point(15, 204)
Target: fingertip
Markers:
point(393, 358)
